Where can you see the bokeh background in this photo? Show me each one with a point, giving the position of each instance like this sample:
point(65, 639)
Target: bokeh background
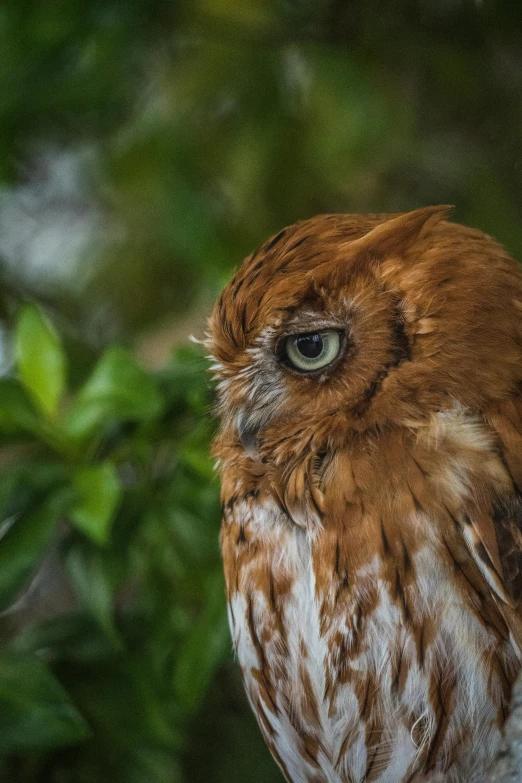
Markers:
point(146, 148)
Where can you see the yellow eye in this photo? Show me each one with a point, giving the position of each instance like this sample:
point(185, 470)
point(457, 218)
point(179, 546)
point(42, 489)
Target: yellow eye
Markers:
point(313, 350)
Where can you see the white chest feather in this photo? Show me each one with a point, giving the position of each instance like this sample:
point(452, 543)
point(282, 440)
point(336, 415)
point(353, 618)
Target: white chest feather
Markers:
point(373, 695)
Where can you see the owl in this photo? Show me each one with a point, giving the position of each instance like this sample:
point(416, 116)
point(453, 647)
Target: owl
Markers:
point(370, 394)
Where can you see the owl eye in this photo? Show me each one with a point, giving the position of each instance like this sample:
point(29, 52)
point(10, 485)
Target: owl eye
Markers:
point(312, 350)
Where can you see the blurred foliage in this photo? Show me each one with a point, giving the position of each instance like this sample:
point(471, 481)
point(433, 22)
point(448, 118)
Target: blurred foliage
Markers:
point(114, 491)
point(145, 148)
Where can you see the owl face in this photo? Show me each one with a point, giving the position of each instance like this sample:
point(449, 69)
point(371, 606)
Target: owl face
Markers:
point(342, 323)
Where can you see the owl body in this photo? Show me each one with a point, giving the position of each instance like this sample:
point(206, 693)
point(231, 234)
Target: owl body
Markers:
point(372, 524)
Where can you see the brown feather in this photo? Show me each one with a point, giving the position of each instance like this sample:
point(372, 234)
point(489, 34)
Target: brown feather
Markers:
point(372, 524)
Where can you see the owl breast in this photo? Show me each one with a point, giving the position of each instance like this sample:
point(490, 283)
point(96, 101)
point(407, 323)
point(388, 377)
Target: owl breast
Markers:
point(367, 694)
point(370, 651)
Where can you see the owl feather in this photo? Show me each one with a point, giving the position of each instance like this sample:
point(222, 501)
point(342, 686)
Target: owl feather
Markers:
point(369, 374)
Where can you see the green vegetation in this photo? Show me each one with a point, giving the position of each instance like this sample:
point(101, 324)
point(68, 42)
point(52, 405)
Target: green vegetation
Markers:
point(121, 674)
point(145, 149)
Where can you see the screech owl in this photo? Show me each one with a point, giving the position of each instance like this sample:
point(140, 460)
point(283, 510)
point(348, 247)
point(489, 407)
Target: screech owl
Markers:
point(370, 450)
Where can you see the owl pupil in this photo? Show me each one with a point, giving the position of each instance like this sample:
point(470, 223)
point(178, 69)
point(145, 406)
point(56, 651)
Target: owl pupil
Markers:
point(310, 345)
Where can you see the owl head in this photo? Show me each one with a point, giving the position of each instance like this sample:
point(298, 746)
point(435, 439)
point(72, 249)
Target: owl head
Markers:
point(347, 323)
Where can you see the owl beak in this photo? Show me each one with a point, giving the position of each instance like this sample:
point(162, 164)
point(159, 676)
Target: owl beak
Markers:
point(248, 433)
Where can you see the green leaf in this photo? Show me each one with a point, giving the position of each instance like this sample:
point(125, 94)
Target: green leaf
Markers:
point(98, 494)
point(184, 381)
point(35, 711)
point(25, 541)
point(204, 647)
point(199, 460)
point(118, 389)
point(40, 359)
point(16, 409)
point(72, 637)
point(94, 581)
point(24, 485)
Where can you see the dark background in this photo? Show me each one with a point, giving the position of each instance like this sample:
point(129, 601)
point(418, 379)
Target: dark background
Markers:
point(145, 149)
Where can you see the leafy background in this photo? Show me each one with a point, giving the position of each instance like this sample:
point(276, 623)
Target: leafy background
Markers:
point(145, 148)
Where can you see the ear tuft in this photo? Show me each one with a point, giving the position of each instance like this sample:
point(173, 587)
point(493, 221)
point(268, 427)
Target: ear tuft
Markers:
point(398, 234)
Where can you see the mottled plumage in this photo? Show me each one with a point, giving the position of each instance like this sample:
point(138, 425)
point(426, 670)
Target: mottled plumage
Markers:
point(372, 514)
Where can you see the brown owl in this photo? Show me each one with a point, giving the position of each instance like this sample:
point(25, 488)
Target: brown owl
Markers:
point(370, 394)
